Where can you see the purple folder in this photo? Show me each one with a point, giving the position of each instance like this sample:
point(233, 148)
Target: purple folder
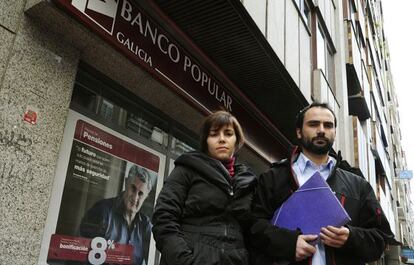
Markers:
point(310, 208)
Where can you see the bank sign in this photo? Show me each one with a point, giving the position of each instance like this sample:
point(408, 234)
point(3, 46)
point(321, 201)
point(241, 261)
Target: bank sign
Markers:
point(124, 25)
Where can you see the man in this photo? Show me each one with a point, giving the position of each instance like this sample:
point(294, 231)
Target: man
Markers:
point(119, 218)
point(362, 240)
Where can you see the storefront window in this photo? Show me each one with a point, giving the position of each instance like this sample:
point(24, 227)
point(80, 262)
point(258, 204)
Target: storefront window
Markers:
point(103, 198)
point(97, 99)
point(84, 97)
point(145, 129)
point(179, 147)
point(106, 109)
point(139, 125)
point(114, 147)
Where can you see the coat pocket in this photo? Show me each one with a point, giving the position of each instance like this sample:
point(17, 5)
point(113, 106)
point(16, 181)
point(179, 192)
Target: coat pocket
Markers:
point(205, 254)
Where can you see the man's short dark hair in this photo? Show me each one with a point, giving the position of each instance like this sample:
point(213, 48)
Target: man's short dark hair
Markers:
point(140, 173)
point(301, 115)
point(218, 120)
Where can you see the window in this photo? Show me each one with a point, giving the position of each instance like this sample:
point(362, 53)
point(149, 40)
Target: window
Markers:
point(179, 147)
point(325, 57)
point(142, 127)
point(85, 97)
point(321, 50)
point(351, 9)
point(107, 109)
point(304, 10)
point(110, 105)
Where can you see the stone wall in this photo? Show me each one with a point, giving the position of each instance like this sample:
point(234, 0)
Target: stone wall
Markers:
point(37, 72)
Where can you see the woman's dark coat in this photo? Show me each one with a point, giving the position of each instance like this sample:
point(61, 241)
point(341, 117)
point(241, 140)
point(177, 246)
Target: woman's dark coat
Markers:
point(201, 211)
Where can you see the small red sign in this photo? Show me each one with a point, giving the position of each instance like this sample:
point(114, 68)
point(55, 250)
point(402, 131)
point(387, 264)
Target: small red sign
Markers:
point(30, 116)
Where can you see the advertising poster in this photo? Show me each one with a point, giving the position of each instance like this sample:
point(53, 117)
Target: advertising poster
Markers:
point(107, 195)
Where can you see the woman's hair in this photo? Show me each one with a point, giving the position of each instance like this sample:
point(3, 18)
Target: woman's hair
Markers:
point(218, 120)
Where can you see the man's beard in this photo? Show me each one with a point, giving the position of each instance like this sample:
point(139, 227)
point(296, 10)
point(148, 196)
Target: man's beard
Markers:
point(316, 149)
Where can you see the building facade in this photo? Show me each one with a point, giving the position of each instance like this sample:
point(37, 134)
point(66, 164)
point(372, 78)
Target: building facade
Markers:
point(90, 88)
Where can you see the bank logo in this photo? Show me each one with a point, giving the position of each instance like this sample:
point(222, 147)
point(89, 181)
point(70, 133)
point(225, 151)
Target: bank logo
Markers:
point(102, 12)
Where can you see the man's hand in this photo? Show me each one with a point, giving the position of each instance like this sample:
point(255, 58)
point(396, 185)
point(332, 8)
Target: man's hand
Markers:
point(303, 248)
point(333, 236)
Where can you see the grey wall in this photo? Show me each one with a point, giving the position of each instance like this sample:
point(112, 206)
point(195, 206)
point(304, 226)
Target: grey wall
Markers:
point(36, 72)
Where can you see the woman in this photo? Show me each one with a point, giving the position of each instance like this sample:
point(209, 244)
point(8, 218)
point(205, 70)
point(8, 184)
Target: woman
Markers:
point(205, 201)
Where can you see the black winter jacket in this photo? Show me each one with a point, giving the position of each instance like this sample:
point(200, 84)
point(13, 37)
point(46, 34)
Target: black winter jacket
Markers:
point(200, 212)
point(369, 228)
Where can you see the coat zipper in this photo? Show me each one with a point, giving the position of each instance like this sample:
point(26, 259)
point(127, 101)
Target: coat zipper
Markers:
point(231, 189)
point(225, 234)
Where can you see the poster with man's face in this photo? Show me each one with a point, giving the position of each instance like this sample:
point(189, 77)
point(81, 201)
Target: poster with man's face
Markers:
point(107, 200)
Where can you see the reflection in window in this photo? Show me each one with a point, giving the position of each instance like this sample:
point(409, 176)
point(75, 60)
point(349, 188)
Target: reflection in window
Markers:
point(84, 97)
point(321, 46)
point(139, 125)
point(106, 110)
point(304, 10)
point(325, 58)
point(145, 129)
point(96, 98)
point(351, 9)
point(178, 147)
point(159, 136)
